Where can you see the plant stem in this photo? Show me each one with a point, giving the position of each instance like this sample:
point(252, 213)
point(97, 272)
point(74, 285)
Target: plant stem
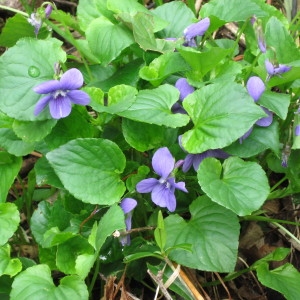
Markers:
point(95, 275)
point(14, 10)
point(278, 183)
point(266, 219)
point(287, 232)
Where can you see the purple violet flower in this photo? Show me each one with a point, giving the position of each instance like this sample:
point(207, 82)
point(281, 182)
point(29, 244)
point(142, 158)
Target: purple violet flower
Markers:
point(48, 10)
point(61, 94)
point(196, 159)
point(272, 70)
point(256, 23)
point(255, 88)
point(162, 189)
point(36, 21)
point(127, 205)
point(261, 42)
point(194, 30)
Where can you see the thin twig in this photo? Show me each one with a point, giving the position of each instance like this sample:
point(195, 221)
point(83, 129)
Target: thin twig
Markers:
point(224, 286)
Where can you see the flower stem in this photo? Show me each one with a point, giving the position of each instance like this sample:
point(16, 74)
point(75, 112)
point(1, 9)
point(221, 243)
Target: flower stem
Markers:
point(17, 11)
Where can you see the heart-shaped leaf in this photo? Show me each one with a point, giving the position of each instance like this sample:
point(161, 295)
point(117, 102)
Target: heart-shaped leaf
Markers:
point(154, 107)
point(90, 169)
point(213, 232)
point(70, 287)
point(221, 113)
point(238, 185)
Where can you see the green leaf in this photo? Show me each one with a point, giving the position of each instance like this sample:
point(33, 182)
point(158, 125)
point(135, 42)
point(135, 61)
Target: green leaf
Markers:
point(179, 17)
point(76, 125)
point(221, 113)
point(108, 40)
point(143, 31)
point(75, 256)
point(45, 174)
point(120, 98)
point(233, 11)
point(277, 255)
point(203, 62)
point(284, 279)
point(154, 107)
point(275, 33)
point(276, 102)
point(48, 223)
point(18, 27)
point(129, 8)
point(128, 74)
point(9, 221)
point(160, 232)
point(213, 232)
point(13, 144)
point(237, 185)
point(88, 10)
point(70, 287)
point(8, 266)
point(95, 164)
point(9, 168)
point(17, 96)
point(112, 220)
point(162, 67)
point(33, 131)
point(143, 137)
point(260, 139)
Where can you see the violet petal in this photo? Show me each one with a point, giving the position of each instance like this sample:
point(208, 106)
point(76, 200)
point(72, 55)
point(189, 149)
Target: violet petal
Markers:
point(196, 29)
point(269, 67)
point(60, 107)
point(265, 121)
point(178, 185)
point(188, 162)
point(184, 88)
point(255, 87)
point(128, 204)
point(48, 10)
point(71, 80)
point(243, 137)
point(163, 162)
point(282, 69)
point(164, 197)
point(147, 185)
point(297, 130)
point(79, 97)
point(41, 104)
point(47, 87)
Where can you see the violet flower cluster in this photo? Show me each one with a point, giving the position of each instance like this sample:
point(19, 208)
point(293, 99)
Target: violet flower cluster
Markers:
point(60, 94)
point(256, 87)
point(163, 189)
